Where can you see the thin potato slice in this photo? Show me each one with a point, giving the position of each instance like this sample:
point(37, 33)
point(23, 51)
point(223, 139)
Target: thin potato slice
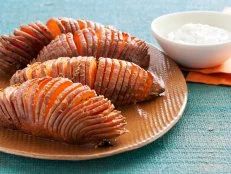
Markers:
point(88, 38)
point(108, 34)
point(113, 78)
point(91, 69)
point(99, 75)
point(106, 75)
point(125, 85)
point(55, 27)
point(80, 43)
point(72, 45)
point(131, 84)
point(120, 82)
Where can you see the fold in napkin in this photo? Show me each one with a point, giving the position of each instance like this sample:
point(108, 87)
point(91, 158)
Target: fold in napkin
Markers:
point(219, 75)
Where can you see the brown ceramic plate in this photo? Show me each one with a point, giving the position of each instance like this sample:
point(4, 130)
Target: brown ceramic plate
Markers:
point(146, 121)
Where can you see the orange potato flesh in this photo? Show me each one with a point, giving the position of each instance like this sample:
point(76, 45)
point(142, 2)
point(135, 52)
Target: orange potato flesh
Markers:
point(55, 95)
point(40, 87)
point(120, 82)
point(83, 96)
point(88, 38)
point(113, 78)
point(94, 42)
point(106, 77)
point(53, 27)
point(41, 97)
point(91, 69)
point(82, 24)
point(61, 118)
point(114, 43)
point(80, 43)
point(59, 107)
point(99, 75)
point(131, 84)
point(82, 71)
point(125, 84)
point(101, 38)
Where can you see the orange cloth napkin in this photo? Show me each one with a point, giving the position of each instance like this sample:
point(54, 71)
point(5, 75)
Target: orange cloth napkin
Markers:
point(219, 75)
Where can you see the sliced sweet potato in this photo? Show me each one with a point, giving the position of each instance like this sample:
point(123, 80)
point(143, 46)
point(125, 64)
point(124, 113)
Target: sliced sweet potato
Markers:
point(33, 41)
point(119, 82)
point(131, 84)
point(10, 110)
point(106, 75)
point(125, 85)
point(41, 97)
point(12, 51)
point(108, 34)
point(89, 108)
point(95, 43)
point(149, 85)
point(63, 40)
point(65, 23)
point(82, 24)
point(88, 38)
point(43, 28)
point(114, 43)
point(40, 33)
point(124, 45)
point(74, 25)
point(91, 69)
point(101, 42)
point(78, 102)
point(62, 117)
point(75, 69)
point(80, 43)
point(33, 32)
point(17, 49)
point(99, 75)
point(51, 96)
point(59, 107)
point(8, 56)
point(90, 24)
point(34, 98)
point(141, 89)
point(113, 78)
point(5, 117)
point(119, 47)
point(55, 27)
point(72, 45)
point(54, 98)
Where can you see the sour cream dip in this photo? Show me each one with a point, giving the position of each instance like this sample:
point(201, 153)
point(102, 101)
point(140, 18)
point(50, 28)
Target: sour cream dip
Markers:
point(199, 34)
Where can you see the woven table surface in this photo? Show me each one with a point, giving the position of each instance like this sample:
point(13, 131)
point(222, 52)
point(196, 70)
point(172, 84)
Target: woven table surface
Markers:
point(201, 140)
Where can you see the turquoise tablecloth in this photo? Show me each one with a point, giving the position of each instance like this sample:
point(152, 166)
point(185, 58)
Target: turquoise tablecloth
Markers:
point(199, 143)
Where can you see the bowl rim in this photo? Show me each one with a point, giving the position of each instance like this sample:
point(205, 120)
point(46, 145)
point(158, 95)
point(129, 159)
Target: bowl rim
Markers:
point(156, 34)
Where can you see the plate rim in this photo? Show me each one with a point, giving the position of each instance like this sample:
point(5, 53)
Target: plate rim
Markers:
point(108, 153)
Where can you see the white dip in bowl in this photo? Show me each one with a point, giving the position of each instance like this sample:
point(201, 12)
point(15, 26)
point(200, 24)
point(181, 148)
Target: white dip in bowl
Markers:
point(198, 39)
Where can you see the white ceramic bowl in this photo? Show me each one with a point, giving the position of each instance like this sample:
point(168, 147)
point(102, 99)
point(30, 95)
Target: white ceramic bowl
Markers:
point(191, 55)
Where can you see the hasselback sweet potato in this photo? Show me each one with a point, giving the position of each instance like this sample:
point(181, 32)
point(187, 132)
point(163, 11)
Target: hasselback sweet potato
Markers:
point(103, 43)
point(90, 39)
point(120, 81)
point(60, 109)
